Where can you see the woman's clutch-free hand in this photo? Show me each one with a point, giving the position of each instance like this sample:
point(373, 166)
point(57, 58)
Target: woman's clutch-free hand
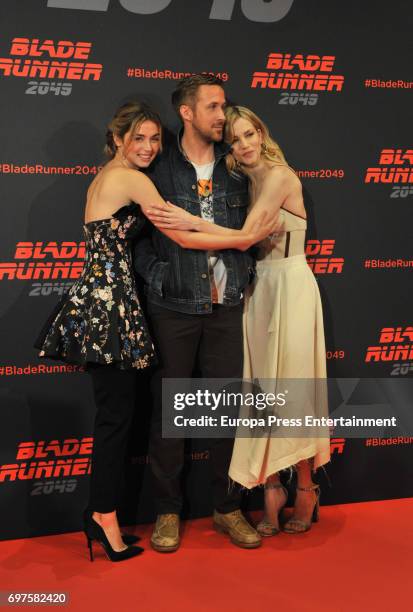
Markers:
point(172, 217)
point(264, 226)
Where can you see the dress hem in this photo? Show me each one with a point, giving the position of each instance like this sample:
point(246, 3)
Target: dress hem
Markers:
point(121, 365)
point(321, 457)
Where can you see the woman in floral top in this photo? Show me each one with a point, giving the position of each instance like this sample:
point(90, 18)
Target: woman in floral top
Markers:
point(100, 324)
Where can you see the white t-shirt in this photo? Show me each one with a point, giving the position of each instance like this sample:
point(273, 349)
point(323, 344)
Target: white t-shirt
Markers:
point(217, 270)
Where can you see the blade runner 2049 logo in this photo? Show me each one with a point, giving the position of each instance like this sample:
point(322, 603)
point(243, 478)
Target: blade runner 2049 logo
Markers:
point(395, 346)
point(321, 259)
point(298, 74)
point(48, 263)
point(395, 167)
point(44, 462)
point(64, 60)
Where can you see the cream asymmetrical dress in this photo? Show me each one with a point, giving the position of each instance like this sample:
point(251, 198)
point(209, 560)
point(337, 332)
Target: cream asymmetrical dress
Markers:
point(283, 339)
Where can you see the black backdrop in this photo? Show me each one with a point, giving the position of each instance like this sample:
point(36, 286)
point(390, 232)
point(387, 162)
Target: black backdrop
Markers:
point(52, 125)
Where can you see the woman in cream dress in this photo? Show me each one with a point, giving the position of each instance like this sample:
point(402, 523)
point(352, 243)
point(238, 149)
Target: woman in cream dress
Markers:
point(283, 330)
point(283, 326)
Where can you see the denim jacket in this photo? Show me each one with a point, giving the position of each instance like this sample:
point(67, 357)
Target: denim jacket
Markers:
point(177, 278)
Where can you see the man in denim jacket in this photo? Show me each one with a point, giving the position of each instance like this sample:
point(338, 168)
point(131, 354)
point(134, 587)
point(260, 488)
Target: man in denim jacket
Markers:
point(195, 299)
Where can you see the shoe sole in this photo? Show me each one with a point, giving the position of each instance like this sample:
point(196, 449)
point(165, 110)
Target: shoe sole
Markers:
point(164, 549)
point(223, 530)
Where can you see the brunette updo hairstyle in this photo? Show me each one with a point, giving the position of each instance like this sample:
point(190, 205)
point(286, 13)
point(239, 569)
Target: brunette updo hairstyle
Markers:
point(128, 117)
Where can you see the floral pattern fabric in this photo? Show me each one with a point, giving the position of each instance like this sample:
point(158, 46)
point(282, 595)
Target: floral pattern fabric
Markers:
point(100, 319)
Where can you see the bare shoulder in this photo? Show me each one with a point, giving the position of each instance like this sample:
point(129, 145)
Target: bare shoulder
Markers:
point(136, 177)
point(281, 179)
point(118, 176)
point(116, 172)
point(284, 175)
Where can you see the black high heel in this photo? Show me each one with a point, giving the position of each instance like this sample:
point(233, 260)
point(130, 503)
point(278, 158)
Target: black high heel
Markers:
point(90, 547)
point(93, 531)
point(128, 538)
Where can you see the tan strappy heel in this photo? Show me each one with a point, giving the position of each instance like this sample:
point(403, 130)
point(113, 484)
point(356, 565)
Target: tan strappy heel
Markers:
point(294, 525)
point(265, 528)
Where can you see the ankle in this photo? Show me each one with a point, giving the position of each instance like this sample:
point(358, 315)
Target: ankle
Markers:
point(307, 486)
point(106, 519)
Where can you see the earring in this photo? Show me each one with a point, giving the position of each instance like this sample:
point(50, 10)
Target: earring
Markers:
point(264, 148)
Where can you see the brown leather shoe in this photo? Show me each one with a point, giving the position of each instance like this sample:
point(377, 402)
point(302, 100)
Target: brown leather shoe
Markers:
point(237, 527)
point(165, 536)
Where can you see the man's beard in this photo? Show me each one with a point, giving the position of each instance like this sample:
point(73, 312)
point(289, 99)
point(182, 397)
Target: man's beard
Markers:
point(209, 136)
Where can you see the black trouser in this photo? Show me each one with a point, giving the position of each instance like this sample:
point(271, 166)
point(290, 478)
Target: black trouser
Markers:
point(216, 338)
point(115, 398)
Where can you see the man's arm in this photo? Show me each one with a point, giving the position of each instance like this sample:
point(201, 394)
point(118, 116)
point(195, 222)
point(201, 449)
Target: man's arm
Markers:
point(144, 255)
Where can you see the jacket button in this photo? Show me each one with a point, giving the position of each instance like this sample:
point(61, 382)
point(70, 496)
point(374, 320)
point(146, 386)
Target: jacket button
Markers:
point(204, 275)
point(193, 186)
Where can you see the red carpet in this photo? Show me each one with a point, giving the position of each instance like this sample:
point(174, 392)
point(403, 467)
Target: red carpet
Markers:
point(358, 557)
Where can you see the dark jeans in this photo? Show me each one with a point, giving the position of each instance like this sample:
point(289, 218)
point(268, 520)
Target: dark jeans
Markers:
point(115, 398)
point(216, 340)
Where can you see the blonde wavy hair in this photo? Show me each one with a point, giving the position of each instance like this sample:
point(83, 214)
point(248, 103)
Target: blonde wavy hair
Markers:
point(270, 150)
